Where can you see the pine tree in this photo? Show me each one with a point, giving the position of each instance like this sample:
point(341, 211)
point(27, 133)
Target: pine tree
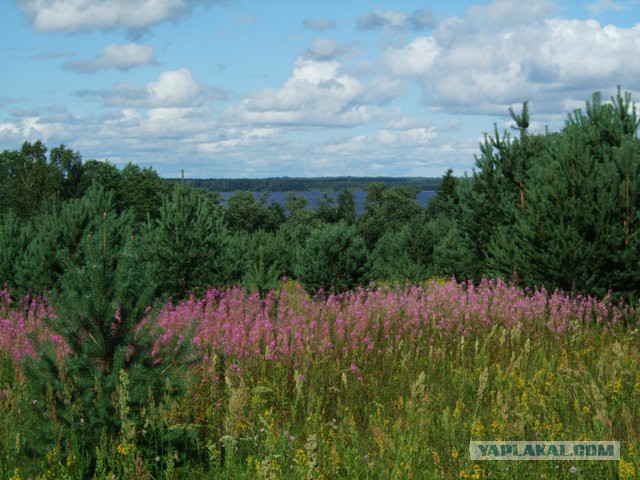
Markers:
point(334, 257)
point(58, 231)
point(187, 245)
point(102, 314)
point(579, 227)
point(15, 234)
point(420, 250)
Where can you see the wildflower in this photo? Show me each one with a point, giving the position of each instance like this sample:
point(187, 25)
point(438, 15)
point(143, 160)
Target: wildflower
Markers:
point(615, 389)
point(627, 470)
point(454, 454)
point(157, 459)
point(495, 426)
point(573, 470)
point(124, 449)
point(477, 473)
point(477, 429)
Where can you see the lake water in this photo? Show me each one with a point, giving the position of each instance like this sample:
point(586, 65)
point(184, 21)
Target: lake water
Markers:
point(314, 198)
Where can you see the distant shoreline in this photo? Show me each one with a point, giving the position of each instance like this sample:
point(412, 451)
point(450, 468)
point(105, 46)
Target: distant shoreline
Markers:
point(308, 184)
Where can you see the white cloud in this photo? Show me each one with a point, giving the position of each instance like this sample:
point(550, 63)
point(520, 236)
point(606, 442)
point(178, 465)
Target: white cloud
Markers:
point(172, 89)
point(120, 57)
point(414, 58)
point(80, 15)
point(233, 138)
point(484, 63)
point(318, 93)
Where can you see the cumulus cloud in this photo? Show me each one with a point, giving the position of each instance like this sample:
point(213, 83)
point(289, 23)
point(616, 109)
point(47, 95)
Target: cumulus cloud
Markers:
point(318, 25)
point(233, 138)
point(392, 20)
point(485, 63)
point(81, 15)
point(172, 89)
point(318, 93)
point(414, 59)
point(120, 57)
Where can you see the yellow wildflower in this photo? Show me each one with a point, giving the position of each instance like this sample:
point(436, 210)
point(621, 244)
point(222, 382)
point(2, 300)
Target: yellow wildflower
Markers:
point(495, 426)
point(124, 449)
point(615, 388)
point(436, 458)
point(627, 470)
point(454, 453)
point(477, 429)
point(477, 472)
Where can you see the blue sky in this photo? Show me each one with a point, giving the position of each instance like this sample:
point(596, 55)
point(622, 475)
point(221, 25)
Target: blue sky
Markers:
point(272, 88)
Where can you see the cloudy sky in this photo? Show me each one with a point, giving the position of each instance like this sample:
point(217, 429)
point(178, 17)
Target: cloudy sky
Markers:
point(229, 88)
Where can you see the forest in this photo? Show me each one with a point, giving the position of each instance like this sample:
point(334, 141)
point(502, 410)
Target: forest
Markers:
point(151, 330)
point(557, 210)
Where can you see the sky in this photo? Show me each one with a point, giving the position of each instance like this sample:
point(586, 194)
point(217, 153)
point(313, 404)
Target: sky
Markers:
point(263, 88)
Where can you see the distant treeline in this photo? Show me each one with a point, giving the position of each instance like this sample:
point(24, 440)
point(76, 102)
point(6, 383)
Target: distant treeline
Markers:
point(318, 184)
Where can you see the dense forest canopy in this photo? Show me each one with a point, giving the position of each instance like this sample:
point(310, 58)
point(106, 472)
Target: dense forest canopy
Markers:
point(554, 209)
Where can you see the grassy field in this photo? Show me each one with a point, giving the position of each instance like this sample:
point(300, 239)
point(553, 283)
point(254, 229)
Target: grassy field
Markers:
point(385, 382)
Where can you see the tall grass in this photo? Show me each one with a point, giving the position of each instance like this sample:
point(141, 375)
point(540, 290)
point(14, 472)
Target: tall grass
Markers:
point(385, 382)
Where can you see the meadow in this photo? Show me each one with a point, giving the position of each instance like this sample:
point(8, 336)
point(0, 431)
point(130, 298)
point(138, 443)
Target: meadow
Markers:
point(384, 382)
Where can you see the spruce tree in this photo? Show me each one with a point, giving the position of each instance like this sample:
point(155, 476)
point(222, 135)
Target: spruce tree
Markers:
point(446, 199)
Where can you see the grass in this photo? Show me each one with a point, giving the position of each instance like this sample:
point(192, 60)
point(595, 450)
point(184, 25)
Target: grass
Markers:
point(384, 383)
